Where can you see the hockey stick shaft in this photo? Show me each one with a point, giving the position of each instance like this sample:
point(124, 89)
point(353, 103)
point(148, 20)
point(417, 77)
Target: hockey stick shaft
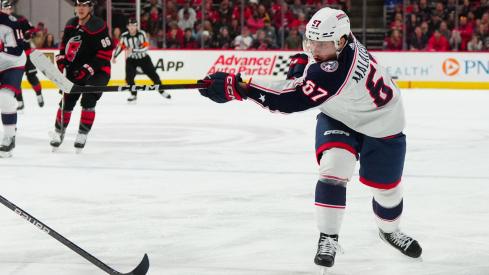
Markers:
point(141, 269)
point(52, 73)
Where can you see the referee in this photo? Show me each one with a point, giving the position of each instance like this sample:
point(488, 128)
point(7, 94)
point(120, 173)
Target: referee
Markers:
point(136, 44)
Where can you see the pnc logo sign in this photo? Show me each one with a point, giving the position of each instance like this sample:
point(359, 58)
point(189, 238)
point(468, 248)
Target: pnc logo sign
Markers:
point(451, 67)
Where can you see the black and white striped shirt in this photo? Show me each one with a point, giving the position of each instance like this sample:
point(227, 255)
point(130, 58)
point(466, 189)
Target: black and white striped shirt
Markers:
point(139, 44)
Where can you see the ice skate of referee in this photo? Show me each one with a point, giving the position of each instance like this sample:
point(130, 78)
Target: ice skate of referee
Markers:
point(135, 42)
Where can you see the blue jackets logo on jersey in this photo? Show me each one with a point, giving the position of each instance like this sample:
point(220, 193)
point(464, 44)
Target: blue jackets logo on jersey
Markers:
point(329, 66)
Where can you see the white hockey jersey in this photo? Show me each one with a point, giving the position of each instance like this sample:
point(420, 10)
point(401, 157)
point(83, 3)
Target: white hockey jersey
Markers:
point(12, 39)
point(355, 90)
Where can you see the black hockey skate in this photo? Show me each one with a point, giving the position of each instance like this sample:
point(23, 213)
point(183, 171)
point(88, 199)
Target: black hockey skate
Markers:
point(407, 245)
point(80, 141)
point(7, 146)
point(327, 247)
point(132, 99)
point(40, 101)
point(165, 94)
point(57, 139)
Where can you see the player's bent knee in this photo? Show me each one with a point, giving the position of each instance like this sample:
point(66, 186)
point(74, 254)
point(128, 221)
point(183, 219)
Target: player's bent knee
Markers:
point(389, 197)
point(338, 164)
point(7, 100)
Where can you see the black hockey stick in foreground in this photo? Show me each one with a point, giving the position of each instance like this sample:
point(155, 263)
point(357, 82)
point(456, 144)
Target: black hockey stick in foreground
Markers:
point(141, 269)
point(50, 71)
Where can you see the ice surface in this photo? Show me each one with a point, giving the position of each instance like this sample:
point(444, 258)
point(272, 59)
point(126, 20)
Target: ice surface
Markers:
point(228, 189)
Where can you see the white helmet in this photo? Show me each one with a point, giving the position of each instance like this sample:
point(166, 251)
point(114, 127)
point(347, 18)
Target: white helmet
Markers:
point(327, 25)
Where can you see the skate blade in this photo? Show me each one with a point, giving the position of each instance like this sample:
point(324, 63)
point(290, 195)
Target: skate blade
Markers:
point(323, 270)
point(54, 149)
point(5, 154)
point(132, 102)
point(79, 150)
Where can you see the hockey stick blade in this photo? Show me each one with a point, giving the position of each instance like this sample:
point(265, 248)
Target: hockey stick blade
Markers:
point(64, 84)
point(141, 269)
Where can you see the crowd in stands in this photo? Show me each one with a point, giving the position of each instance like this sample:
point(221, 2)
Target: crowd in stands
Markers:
point(191, 24)
point(433, 26)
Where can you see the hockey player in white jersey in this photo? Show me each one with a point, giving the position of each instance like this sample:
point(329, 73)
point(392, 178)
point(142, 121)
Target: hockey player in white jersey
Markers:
point(12, 65)
point(362, 118)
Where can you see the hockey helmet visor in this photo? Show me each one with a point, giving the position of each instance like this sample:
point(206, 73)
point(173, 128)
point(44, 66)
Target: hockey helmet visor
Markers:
point(318, 47)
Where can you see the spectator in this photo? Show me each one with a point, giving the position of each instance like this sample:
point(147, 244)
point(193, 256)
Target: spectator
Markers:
point(412, 24)
point(270, 33)
point(151, 22)
point(171, 12)
point(174, 26)
point(475, 44)
point(300, 23)
point(482, 32)
point(223, 22)
point(261, 43)
point(450, 7)
point(208, 13)
point(418, 41)
point(116, 35)
point(394, 42)
point(471, 22)
point(397, 23)
point(172, 41)
point(425, 29)
point(288, 18)
point(254, 22)
point(225, 11)
point(298, 8)
point(186, 20)
point(465, 32)
point(152, 4)
point(39, 39)
point(159, 40)
point(262, 13)
point(466, 7)
point(435, 23)
point(41, 28)
point(235, 28)
point(437, 42)
point(237, 11)
point(440, 10)
point(294, 40)
point(451, 21)
point(481, 9)
point(243, 42)
point(277, 7)
point(445, 32)
point(49, 42)
point(455, 40)
point(397, 9)
point(424, 10)
point(190, 10)
point(253, 5)
point(207, 40)
point(484, 19)
point(224, 40)
point(188, 41)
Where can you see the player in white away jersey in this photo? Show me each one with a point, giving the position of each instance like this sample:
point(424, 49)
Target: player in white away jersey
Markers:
point(362, 117)
point(12, 67)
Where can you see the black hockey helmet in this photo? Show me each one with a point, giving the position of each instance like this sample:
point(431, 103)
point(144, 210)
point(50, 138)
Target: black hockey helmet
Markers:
point(6, 4)
point(132, 21)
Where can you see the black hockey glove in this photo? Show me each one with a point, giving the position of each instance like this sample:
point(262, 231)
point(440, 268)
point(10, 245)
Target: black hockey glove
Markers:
point(29, 34)
point(84, 73)
point(297, 65)
point(61, 62)
point(223, 87)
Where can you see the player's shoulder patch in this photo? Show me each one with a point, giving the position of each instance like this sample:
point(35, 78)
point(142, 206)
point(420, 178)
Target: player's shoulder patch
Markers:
point(12, 18)
point(95, 25)
point(329, 66)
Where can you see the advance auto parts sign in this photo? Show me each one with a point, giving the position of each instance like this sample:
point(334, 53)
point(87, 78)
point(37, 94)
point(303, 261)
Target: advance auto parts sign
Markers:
point(255, 64)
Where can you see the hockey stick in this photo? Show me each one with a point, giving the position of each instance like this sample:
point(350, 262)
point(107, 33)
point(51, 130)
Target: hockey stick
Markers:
point(64, 84)
point(141, 269)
